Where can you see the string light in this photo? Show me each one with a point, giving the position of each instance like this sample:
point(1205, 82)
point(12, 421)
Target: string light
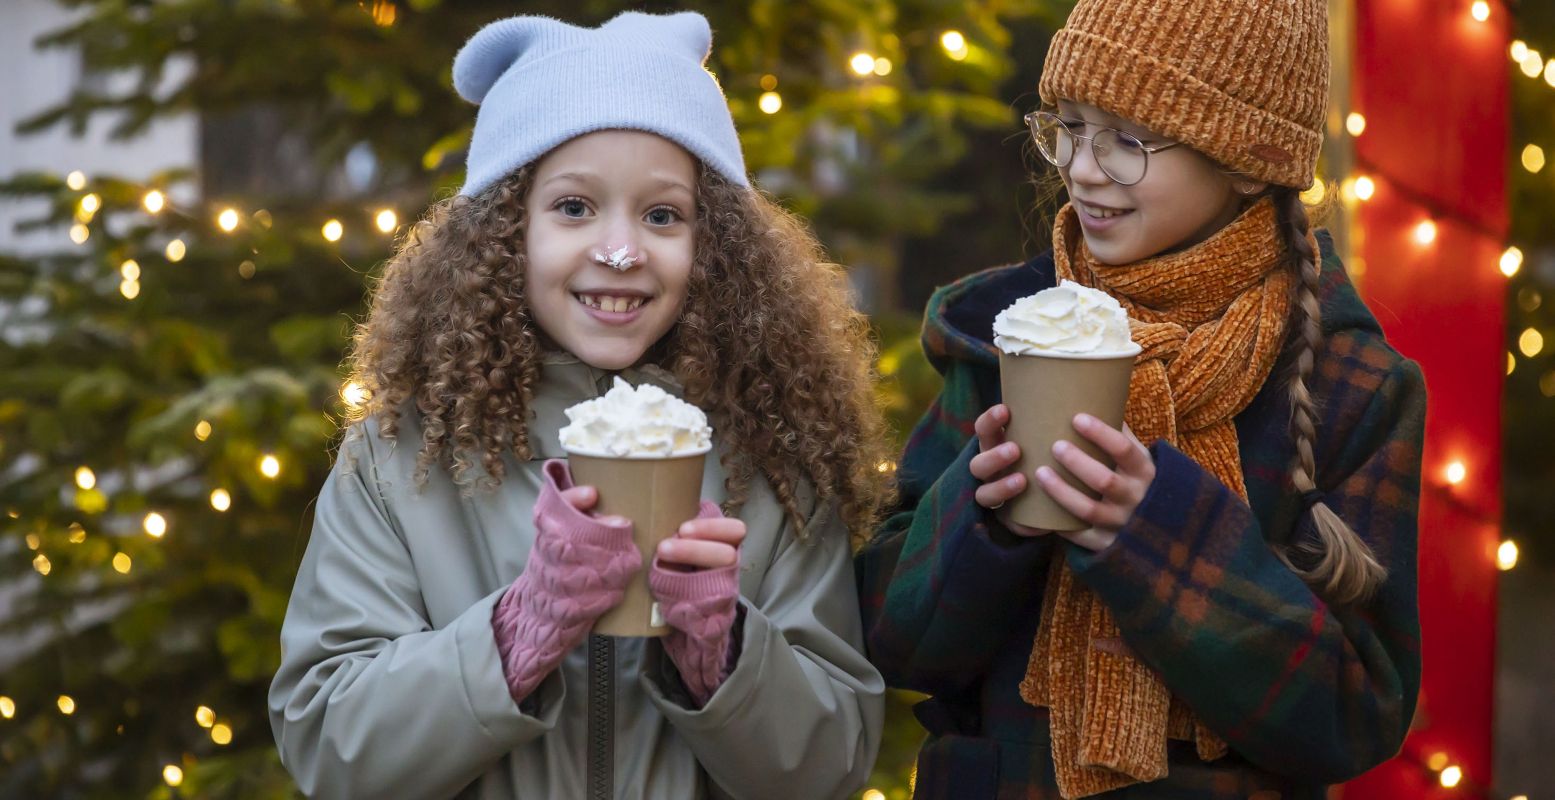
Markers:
point(221, 500)
point(1451, 777)
point(1549, 72)
point(883, 66)
point(1456, 472)
point(873, 794)
point(7, 707)
point(67, 704)
point(172, 775)
point(121, 563)
point(1355, 123)
point(387, 220)
point(33, 542)
point(85, 478)
point(205, 716)
point(1531, 342)
point(1533, 158)
point(354, 394)
point(269, 466)
point(176, 250)
point(77, 533)
point(333, 230)
point(954, 44)
point(1511, 363)
point(1518, 50)
point(1315, 194)
point(1425, 232)
point(154, 202)
point(862, 64)
point(1511, 261)
point(768, 82)
point(228, 220)
point(1480, 10)
point(155, 525)
point(76, 180)
point(1365, 188)
point(80, 233)
point(221, 734)
point(202, 430)
point(42, 564)
point(91, 203)
point(770, 102)
point(1506, 555)
point(1532, 64)
point(130, 289)
point(130, 270)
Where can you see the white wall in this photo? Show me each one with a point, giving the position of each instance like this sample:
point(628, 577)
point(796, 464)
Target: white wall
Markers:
point(32, 80)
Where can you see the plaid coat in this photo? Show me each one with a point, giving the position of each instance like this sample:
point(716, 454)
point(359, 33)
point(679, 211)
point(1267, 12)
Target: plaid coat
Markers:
point(1305, 694)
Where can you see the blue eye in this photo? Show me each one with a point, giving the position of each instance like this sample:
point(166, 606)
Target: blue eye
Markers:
point(572, 207)
point(662, 216)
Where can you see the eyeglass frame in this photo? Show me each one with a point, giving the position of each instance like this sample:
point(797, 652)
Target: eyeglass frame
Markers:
point(1149, 150)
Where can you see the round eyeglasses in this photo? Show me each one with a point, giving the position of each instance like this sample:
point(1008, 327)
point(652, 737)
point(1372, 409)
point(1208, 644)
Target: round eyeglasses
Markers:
point(1120, 154)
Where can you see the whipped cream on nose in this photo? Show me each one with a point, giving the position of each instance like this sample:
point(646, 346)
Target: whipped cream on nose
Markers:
point(617, 259)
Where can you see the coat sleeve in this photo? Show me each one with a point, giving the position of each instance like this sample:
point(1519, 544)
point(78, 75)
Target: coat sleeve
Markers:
point(801, 713)
point(942, 583)
point(1297, 686)
point(371, 700)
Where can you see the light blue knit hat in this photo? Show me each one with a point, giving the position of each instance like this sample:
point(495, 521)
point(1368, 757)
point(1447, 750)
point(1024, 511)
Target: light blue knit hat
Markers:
point(540, 82)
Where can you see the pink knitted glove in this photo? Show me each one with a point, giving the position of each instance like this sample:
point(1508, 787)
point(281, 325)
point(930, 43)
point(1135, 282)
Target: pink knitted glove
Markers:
point(578, 569)
point(699, 606)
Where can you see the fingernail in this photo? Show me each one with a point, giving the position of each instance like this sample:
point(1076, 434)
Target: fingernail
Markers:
point(1008, 448)
point(1061, 446)
point(1084, 420)
point(1044, 474)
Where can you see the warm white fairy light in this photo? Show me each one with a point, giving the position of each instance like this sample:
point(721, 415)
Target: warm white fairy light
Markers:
point(862, 64)
point(1511, 261)
point(954, 44)
point(220, 499)
point(269, 466)
point(1452, 776)
point(121, 563)
point(80, 233)
point(1315, 193)
point(1506, 555)
point(172, 775)
point(33, 542)
point(202, 430)
point(228, 219)
point(1549, 72)
point(221, 733)
point(1456, 473)
point(873, 794)
point(130, 270)
point(7, 707)
point(1365, 188)
point(130, 289)
point(176, 250)
point(1355, 123)
point(154, 201)
point(333, 230)
point(883, 66)
point(67, 704)
point(387, 220)
point(76, 180)
point(155, 525)
point(1532, 64)
point(353, 394)
point(1480, 10)
point(770, 102)
point(1425, 232)
point(85, 478)
point(1531, 342)
point(1518, 50)
point(42, 564)
point(91, 203)
point(1511, 363)
point(205, 716)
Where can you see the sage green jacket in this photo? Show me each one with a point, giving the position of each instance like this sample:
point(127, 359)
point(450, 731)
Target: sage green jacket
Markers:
point(390, 685)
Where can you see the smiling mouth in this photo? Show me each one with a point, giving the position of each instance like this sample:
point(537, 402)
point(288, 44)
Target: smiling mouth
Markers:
point(1102, 212)
point(609, 302)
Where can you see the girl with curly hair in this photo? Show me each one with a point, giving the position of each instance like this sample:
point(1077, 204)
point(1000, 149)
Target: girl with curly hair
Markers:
point(437, 641)
point(1237, 619)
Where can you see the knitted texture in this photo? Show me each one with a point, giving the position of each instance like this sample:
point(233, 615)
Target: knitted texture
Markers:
point(577, 570)
point(1243, 81)
point(1211, 321)
point(699, 608)
point(540, 82)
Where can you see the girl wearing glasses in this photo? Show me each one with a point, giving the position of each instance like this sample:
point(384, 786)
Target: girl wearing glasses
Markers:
point(1240, 620)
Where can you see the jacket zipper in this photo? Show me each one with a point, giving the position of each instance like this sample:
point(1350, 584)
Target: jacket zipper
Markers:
point(601, 713)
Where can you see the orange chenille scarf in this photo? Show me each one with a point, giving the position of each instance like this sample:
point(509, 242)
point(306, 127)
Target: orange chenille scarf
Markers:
point(1212, 320)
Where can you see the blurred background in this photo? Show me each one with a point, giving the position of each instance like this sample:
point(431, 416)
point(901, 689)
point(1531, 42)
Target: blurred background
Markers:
point(195, 194)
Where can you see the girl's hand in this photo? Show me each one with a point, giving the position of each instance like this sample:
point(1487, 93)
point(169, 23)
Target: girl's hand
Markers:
point(707, 542)
point(584, 498)
point(1122, 489)
point(992, 466)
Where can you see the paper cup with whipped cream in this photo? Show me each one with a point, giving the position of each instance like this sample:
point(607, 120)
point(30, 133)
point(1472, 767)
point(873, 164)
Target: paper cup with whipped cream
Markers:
point(643, 450)
point(1063, 351)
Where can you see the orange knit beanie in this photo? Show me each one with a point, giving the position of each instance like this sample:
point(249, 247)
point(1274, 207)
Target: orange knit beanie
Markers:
point(1244, 82)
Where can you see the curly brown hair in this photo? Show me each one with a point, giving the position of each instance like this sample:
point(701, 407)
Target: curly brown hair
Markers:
point(768, 344)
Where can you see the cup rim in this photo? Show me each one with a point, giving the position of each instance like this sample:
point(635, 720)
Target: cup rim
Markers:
point(1134, 350)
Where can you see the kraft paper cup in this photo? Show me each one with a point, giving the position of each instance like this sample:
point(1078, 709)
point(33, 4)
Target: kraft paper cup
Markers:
point(1044, 393)
point(657, 495)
